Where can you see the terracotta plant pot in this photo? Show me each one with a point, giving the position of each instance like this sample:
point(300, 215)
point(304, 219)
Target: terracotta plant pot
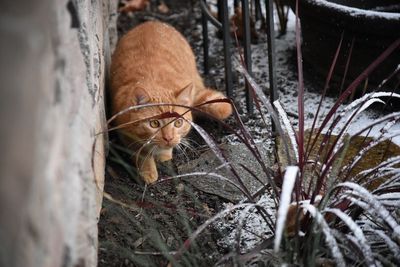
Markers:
point(373, 25)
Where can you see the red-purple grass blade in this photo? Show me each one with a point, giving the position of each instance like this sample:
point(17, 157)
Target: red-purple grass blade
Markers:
point(239, 228)
point(264, 100)
point(209, 174)
point(244, 259)
point(364, 149)
point(358, 234)
point(249, 142)
point(346, 68)
point(195, 108)
point(249, 87)
point(330, 162)
point(251, 173)
point(393, 74)
point(389, 163)
point(329, 237)
point(188, 242)
point(164, 115)
point(300, 93)
point(242, 221)
point(363, 103)
point(245, 139)
point(217, 151)
point(395, 45)
point(373, 205)
point(261, 190)
point(330, 157)
point(328, 79)
point(378, 121)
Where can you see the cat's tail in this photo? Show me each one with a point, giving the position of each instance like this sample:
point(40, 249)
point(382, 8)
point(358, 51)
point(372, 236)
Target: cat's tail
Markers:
point(220, 110)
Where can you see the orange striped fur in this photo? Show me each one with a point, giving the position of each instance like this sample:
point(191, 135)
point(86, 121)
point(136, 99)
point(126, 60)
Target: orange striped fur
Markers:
point(153, 63)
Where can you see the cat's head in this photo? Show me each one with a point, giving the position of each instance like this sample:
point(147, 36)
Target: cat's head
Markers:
point(163, 130)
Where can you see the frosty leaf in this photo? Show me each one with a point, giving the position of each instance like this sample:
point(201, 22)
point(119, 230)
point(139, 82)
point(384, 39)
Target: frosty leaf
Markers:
point(329, 238)
point(374, 206)
point(394, 248)
point(287, 188)
point(391, 116)
point(265, 101)
point(358, 234)
point(288, 127)
point(365, 98)
point(383, 166)
point(186, 245)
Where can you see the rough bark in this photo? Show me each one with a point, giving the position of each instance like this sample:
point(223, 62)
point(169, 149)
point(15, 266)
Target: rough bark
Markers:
point(54, 60)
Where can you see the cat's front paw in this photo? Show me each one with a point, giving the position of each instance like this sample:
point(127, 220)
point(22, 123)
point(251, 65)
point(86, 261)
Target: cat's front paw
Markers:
point(148, 171)
point(164, 155)
point(149, 177)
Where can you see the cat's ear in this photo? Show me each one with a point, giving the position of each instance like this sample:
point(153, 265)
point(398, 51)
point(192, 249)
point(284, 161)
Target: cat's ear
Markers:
point(140, 96)
point(186, 95)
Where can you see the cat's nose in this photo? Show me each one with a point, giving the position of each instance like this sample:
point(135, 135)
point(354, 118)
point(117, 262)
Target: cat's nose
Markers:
point(168, 139)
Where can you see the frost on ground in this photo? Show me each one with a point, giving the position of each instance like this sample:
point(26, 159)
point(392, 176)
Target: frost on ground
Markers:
point(251, 225)
point(254, 229)
point(287, 85)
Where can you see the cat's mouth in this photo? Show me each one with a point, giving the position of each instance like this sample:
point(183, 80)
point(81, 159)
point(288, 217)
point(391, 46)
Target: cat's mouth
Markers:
point(167, 146)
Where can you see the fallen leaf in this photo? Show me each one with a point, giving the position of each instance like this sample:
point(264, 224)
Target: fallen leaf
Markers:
point(139, 242)
point(236, 25)
point(134, 5)
point(163, 8)
point(207, 209)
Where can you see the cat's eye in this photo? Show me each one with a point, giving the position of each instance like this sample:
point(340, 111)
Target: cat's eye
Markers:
point(178, 123)
point(154, 124)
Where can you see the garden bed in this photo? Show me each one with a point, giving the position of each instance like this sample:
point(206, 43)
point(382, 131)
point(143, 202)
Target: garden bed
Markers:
point(142, 226)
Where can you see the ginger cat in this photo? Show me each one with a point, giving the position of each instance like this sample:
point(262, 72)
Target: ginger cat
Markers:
point(153, 63)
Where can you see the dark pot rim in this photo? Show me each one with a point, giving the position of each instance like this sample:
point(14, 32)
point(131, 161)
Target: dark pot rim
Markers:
point(356, 19)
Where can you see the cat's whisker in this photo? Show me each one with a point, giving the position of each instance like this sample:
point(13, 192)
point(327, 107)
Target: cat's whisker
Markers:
point(190, 151)
point(184, 146)
point(139, 151)
point(136, 142)
point(149, 141)
point(182, 151)
point(149, 154)
point(191, 141)
point(189, 147)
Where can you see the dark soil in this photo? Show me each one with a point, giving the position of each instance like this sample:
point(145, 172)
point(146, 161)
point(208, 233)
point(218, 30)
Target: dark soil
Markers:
point(152, 222)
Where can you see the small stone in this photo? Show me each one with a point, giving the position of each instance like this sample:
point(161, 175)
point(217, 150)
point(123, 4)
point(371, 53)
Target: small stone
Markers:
point(170, 240)
point(237, 154)
point(207, 209)
point(180, 187)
